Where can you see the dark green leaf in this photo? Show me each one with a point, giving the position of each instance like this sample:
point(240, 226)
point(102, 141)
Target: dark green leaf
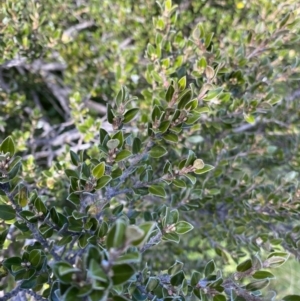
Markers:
point(183, 227)
point(98, 295)
point(291, 298)
point(35, 257)
point(179, 183)
point(164, 126)
point(103, 135)
point(196, 276)
point(205, 169)
point(263, 275)
point(213, 94)
point(157, 190)
point(74, 158)
point(12, 261)
point(170, 137)
point(7, 212)
point(133, 257)
point(121, 96)
point(244, 266)
point(110, 115)
point(8, 146)
point(173, 237)
point(177, 279)
point(193, 118)
point(3, 235)
point(157, 151)
point(184, 98)
point(102, 182)
point(116, 173)
point(156, 113)
point(219, 298)
point(152, 284)
point(116, 236)
point(257, 285)
point(136, 145)
point(169, 93)
point(130, 114)
point(191, 178)
point(13, 171)
point(96, 271)
point(28, 284)
point(175, 268)
point(74, 198)
point(40, 206)
point(122, 273)
point(147, 229)
point(209, 268)
point(25, 274)
point(122, 155)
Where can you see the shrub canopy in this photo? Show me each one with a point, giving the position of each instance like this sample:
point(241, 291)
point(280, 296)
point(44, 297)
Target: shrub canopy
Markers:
point(149, 151)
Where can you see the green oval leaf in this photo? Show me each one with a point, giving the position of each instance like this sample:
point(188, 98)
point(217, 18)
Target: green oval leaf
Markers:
point(157, 190)
point(130, 114)
point(98, 170)
point(122, 273)
point(152, 284)
point(133, 257)
point(203, 170)
point(179, 183)
point(212, 94)
point(263, 275)
point(191, 178)
point(249, 118)
point(157, 151)
point(244, 266)
point(96, 271)
point(291, 298)
point(173, 237)
point(136, 145)
point(147, 229)
point(74, 158)
point(35, 257)
point(171, 137)
point(164, 126)
point(122, 155)
point(102, 182)
point(257, 285)
point(8, 146)
point(183, 227)
point(169, 93)
point(182, 83)
point(110, 115)
point(116, 236)
point(209, 268)
point(7, 212)
point(177, 279)
point(113, 143)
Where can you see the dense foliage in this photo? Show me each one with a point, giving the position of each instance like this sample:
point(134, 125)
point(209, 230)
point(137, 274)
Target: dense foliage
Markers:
point(148, 151)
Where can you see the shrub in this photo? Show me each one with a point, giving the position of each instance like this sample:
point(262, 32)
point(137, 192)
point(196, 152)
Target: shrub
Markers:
point(187, 189)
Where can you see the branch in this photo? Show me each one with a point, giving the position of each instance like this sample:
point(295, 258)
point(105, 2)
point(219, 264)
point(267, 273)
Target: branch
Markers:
point(11, 294)
point(18, 290)
point(154, 240)
point(72, 31)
